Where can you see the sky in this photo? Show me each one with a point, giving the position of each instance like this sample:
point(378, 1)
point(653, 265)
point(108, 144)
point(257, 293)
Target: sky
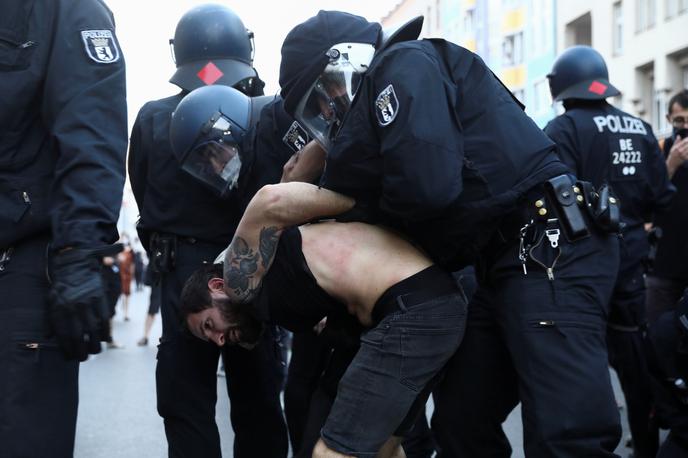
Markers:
point(144, 27)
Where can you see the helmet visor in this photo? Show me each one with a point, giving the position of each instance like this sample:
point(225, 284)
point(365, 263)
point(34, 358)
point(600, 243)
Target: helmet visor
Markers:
point(322, 109)
point(215, 163)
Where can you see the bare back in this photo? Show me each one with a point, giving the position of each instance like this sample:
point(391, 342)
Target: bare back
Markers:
point(355, 262)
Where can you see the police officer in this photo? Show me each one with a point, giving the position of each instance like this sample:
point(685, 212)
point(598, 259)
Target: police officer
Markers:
point(182, 227)
point(63, 132)
point(605, 145)
point(428, 139)
point(668, 362)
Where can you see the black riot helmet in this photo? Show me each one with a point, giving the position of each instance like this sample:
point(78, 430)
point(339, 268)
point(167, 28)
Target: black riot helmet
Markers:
point(212, 46)
point(580, 73)
point(323, 63)
point(207, 135)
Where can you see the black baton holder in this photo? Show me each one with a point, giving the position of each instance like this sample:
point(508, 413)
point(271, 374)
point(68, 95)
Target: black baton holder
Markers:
point(560, 193)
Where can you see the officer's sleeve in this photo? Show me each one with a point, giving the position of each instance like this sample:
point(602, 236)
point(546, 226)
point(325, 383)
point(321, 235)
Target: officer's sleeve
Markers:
point(420, 138)
point(563, 132)
point(84, 105)
point(661, 185)
point(138, 161)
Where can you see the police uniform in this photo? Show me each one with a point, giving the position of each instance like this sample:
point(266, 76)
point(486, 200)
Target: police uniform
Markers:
point(63, 132)
point(667, 357)
point(440, 147)
point(194, 224)
point(603, 144)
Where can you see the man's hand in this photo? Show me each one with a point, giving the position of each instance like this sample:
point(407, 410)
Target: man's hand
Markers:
point(306, 165)
point(77, 306)
point(677, 155)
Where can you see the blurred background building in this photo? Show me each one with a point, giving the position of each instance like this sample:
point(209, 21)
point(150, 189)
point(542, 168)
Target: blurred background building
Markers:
point(644, 42)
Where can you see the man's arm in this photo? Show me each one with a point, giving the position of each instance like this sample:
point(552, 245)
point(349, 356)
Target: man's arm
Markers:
point(272, 209)
point(306, 165)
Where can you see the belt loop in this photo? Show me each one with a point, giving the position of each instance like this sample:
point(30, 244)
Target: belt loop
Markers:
point(400, 303)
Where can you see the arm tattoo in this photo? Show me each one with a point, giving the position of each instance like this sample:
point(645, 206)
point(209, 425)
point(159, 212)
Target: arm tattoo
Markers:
point(269, 237)
point(241, 270)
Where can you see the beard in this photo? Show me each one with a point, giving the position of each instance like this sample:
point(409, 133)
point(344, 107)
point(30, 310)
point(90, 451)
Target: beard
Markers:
point(244, 320)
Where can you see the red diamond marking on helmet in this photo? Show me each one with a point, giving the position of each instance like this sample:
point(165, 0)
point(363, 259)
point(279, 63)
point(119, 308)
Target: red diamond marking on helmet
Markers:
point(209, 73)
point(597, 88)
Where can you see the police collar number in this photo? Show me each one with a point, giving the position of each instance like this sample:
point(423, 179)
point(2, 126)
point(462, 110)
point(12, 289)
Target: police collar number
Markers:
point(100, 46)
point(386, 106)
point(296, 137)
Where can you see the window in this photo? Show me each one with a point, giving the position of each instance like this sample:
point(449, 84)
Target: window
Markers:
point(659, 108)
point(512, 49)
point(684, 73)
point(541, 30)
point(645, 14)
point(671, 8)
point(541, 96)
point(469, 21)
point(617, 28)
point(438, 24)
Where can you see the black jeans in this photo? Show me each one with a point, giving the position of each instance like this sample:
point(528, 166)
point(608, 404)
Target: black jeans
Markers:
point(540, 342)
point(186, 379)
point(38, 387)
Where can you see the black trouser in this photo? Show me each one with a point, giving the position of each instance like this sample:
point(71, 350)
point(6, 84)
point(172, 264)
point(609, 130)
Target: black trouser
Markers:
point(187, 382)
point(626, 346)
point(662, 295)
point(539, 341)
point(666, 358)
point(309, 356)
point(38, 387)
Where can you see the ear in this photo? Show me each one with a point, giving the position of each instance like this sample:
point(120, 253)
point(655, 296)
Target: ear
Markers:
point(216, 284)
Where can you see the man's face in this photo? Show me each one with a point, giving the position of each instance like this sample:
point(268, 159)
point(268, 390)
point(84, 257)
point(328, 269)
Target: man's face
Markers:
point(213, 323)
point(678, 117)
point(210, 325)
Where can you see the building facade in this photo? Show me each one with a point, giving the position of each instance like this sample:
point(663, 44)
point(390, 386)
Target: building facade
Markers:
point(643, 41)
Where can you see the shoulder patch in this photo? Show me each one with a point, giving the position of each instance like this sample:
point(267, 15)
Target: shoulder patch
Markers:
point(100, 46)
point(296, 137)
point(386, 106)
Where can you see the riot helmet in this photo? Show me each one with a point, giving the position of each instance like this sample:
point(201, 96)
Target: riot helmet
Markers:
point(207, 133)
point(580, 73)
point(337, 49)
point(211, 45)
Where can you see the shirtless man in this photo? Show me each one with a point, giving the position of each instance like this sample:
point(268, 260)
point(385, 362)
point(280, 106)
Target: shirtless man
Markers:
point(414, 312)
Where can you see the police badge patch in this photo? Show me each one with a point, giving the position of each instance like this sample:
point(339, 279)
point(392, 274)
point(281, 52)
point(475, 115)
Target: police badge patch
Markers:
point(296, 137)
point(386, 106)
point(100, 46)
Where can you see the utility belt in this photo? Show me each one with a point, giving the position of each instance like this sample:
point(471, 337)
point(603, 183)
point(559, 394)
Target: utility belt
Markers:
point(560, 207)
point(164, 249)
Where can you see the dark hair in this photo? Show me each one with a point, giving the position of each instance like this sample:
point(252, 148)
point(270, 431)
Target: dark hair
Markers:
point(195, 298)
point(680, 98)
point(195, 295)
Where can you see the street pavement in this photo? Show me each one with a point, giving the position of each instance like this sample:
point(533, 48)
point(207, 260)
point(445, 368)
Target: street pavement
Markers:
point(117, 413)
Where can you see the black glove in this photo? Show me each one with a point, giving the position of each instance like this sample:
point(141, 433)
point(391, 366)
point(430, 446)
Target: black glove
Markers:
point(78, 311)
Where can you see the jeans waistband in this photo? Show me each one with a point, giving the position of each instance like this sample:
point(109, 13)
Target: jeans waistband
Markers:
point(421, 287)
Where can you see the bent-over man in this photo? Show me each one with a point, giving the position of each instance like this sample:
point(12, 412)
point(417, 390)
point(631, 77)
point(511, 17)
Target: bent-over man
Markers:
point(296, 275)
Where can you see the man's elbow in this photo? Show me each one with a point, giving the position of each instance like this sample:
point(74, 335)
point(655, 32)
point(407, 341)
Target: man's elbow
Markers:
point(273, 203)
